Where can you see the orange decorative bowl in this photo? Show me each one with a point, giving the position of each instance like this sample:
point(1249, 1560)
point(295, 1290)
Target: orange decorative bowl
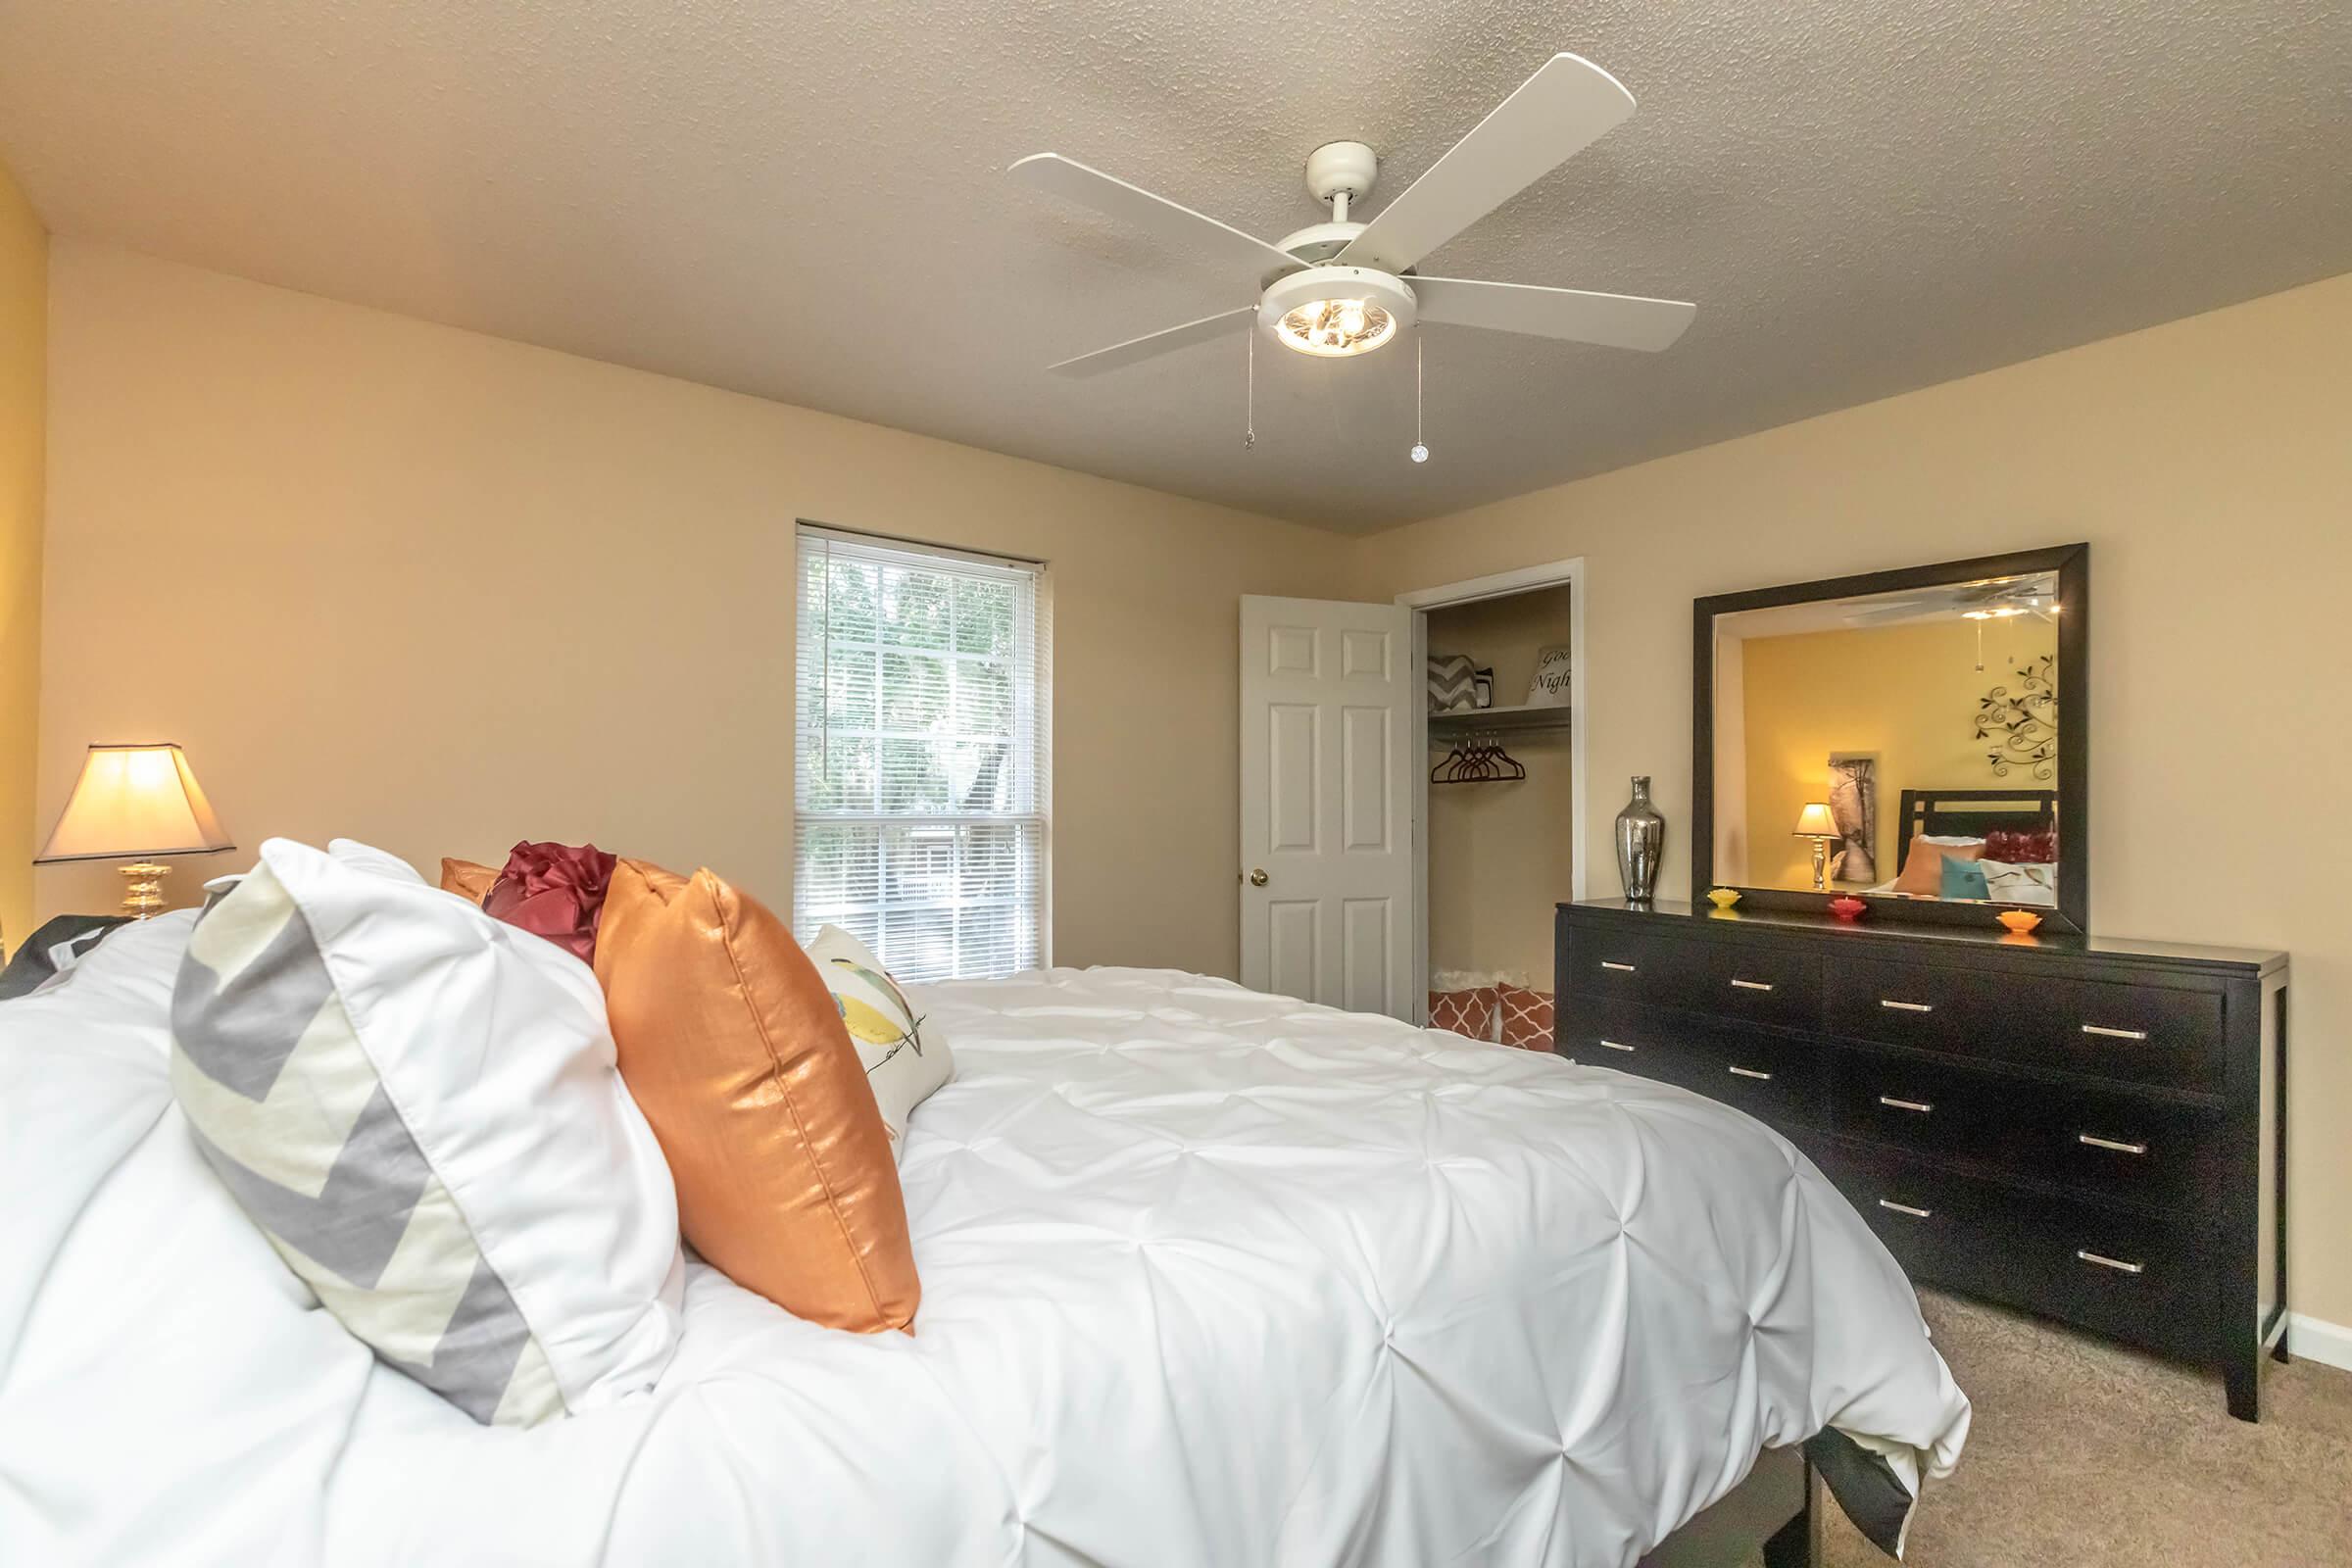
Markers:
point(2019, 922)
point(1848, 908)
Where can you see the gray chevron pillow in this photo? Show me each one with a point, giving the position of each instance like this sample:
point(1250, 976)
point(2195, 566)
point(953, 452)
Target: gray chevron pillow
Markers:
point(303, 1026)
point(1452, 682)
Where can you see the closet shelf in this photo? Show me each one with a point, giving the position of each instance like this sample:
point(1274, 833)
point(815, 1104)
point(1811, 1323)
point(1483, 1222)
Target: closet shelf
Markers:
point(1446, 727)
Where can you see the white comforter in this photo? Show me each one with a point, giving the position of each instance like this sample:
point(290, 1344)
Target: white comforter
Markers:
point(1208, 1278)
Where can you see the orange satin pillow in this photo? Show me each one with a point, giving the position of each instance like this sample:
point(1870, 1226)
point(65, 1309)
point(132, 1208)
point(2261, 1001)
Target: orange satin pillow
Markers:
point(736, 1053)
point(1923, 865)
point(466, 879)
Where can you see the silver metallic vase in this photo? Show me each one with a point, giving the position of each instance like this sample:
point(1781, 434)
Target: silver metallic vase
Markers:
point(1640, 841)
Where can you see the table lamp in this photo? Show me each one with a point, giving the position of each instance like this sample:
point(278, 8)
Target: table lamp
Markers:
point(1813, 822)
point(135, 804)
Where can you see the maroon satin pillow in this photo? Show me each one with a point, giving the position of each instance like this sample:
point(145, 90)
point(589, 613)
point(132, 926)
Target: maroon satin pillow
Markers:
point(2014, 846)
point(555, 891)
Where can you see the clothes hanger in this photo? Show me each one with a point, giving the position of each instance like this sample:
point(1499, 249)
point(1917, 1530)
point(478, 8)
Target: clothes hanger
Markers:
point(1485, 761)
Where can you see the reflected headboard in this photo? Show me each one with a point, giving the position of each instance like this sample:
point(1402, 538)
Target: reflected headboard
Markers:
point(1969, 814)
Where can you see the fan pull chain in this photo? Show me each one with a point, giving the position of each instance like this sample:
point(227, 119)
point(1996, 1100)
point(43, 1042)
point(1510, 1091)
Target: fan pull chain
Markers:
point(1249, 398)
point(1420, 452)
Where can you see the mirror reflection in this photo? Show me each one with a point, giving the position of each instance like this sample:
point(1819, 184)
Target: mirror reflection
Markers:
point(1903, 744)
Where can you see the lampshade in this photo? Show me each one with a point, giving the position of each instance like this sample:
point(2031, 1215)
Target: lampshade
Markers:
point(1813, 822)
point(135, 801)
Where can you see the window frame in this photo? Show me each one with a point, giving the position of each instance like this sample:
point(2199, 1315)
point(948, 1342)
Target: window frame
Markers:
point(1030, 729)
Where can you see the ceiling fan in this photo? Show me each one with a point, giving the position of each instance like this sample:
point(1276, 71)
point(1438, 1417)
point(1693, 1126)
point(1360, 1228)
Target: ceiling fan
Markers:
point(1992, 598)
point(1342, 288)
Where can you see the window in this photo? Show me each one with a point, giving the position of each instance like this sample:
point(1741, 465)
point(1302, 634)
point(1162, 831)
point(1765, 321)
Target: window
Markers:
point(923, 754)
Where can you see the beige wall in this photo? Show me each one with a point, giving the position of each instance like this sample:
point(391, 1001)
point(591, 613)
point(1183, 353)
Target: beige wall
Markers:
point(1499, 853)
point(2208, 463)
point(441, 592)
point(23, 404)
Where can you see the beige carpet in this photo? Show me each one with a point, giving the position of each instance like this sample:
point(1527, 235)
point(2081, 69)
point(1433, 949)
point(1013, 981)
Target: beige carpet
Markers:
point(2086, 1455)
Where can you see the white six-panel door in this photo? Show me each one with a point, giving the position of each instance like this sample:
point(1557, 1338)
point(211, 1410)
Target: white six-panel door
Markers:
point(1327, 690)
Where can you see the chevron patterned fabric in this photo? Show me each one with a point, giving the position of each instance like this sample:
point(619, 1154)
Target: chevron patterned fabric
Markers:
point(289, 1110)
point(1452, 682)
point(420, 1108)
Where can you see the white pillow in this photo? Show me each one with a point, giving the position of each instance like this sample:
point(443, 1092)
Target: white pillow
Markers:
point(367, 858)
point(2007, 882)
point(418, 1108)
point(1547, 687)
point(905, 1058)
point(1948, 838)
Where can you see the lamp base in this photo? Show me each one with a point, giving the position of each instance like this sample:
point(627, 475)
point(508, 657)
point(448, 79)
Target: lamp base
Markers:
point(1820, 865)
point(143, 888)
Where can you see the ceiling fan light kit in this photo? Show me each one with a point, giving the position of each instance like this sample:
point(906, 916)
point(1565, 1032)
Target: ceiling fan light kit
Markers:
point(1342, 289)
point(1336, 311)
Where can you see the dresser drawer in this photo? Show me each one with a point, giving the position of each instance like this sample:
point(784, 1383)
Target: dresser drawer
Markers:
point(2097, 1142)
point(1633, 1039)
point(2134, 1276)
point(1941, 1229)
point(2145, 1034)
point(1617, 965)
point(2150, 1034)
point(1760, 984)
point(1775, 1078)
point(1772, 1077)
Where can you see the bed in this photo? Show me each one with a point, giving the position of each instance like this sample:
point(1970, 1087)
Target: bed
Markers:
point(1210, 1277)
point(1968, 816)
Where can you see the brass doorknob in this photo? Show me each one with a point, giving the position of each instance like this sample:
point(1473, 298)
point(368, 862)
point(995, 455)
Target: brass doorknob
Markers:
point(1258, 878)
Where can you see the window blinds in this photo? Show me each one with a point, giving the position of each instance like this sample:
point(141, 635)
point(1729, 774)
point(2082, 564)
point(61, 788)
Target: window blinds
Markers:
point(922, 755)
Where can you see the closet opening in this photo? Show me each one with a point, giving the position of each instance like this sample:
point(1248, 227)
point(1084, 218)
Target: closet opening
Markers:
point(1499, 805)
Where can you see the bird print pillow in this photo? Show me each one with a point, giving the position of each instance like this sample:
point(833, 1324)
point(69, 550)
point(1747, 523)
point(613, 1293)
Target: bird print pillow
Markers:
point(905, 1057)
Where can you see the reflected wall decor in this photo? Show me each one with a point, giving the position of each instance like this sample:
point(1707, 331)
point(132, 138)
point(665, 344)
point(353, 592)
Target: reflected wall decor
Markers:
point(1855, 809)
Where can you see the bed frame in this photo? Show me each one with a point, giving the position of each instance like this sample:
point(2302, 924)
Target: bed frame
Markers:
point(1969, 814)
point(1771, 1516)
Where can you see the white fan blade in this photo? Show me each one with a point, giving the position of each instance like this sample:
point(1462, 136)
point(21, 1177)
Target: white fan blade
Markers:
point(1617, 320)
point(1121, 355)
point(1155, 215)
point(1556, 114)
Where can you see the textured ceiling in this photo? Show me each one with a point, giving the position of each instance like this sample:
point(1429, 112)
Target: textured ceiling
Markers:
point(806, 201)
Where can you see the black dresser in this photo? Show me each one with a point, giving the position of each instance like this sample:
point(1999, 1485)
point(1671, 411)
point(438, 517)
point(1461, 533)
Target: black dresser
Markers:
point(2081, 1127)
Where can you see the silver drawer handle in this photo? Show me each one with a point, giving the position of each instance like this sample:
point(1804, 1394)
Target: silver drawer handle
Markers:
point(2109, 1143)
point(2114, 1033)
point(1750, 1072)
point(2104, 1261)
point(1903, 1209)
point(1906, 1007)
point(1621, 968)
point(1751, 985)
point(1919, 1106)
point(1615, 1046)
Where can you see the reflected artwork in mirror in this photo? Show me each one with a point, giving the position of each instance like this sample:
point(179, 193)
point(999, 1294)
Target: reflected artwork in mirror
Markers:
point(1912, 739)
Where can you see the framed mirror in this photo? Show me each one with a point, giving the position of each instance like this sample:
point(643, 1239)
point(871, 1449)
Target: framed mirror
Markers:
point(1915, 738)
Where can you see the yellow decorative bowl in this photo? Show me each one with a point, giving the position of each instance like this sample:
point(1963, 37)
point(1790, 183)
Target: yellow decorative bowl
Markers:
point(1723, 898)
point(2019, 922)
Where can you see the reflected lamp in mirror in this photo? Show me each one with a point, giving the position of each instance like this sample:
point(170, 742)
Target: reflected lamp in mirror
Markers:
point(136, 804)
point(1813, 822)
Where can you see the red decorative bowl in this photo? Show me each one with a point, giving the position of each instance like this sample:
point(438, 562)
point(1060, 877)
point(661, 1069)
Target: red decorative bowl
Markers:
point(1848, 907)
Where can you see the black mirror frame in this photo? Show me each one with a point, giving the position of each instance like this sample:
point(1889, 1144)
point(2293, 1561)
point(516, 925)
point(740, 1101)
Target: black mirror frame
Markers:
point(2072, 564)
